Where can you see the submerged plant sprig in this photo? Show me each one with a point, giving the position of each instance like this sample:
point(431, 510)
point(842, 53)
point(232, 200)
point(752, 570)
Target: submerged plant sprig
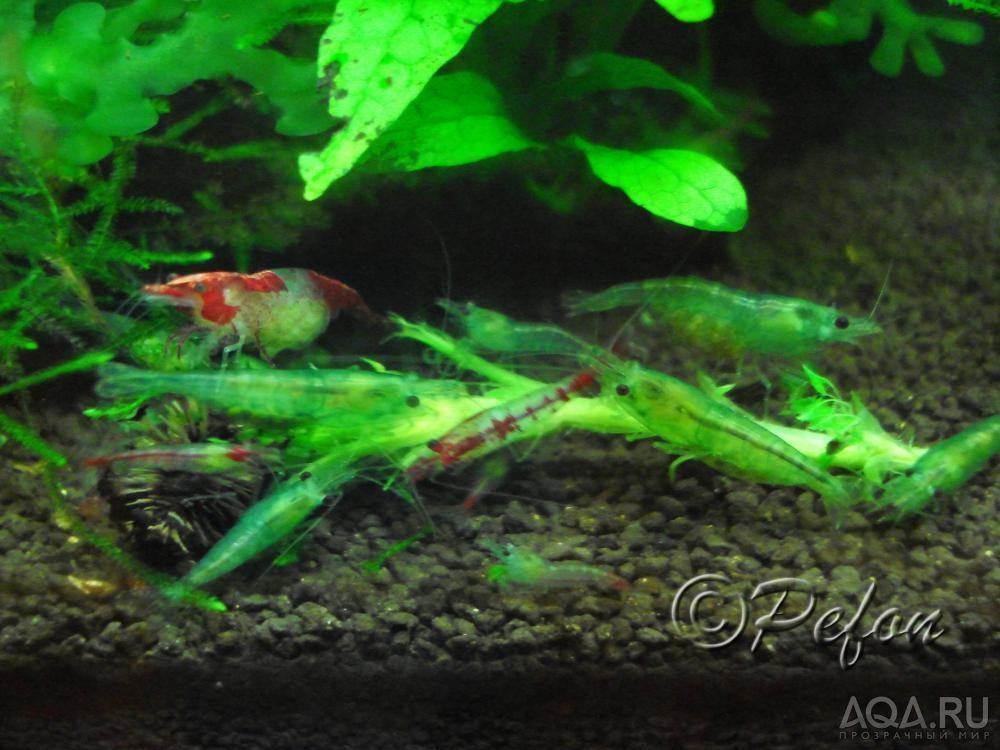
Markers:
point(855, 436)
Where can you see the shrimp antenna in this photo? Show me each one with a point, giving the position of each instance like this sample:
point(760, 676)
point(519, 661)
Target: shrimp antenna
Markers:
point(881, 292)
point(446, 256)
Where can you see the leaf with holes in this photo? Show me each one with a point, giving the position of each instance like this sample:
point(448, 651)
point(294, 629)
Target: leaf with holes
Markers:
point(683, 186)
point(458, 118)
point(374, 59)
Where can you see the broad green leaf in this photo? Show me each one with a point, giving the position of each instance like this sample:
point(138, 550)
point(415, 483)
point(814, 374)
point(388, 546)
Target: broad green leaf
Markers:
point(457, 119)
point(683, 186)
point(688, 11)
point(374, 58)
point(606, 71)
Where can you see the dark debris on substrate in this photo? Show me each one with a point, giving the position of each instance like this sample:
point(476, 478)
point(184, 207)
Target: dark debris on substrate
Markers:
point(169, 516)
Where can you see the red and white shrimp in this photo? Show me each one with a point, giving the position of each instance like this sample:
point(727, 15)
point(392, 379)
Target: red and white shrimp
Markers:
point(486, 430)
point(285, 308)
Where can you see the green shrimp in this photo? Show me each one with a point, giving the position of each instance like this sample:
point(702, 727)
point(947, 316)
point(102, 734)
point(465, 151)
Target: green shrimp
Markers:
point(523, 568)
point(492, 331)
point(945, 467)
point(730, 322)
point(284, 394)
point(273, 518)
point(705, 427)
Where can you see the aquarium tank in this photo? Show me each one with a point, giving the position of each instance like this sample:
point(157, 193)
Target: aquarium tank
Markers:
point(499, 373)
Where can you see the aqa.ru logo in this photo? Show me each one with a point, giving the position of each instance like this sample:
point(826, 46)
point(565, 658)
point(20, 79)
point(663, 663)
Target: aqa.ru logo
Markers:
point(881, 713)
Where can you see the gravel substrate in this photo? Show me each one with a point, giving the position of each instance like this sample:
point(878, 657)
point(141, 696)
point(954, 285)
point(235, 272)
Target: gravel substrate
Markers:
point(429, 653)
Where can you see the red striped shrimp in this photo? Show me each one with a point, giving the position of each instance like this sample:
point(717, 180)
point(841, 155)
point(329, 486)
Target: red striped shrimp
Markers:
point(945, 467)
point(201, 458)
point(486, 430)
point(702, 426)
point(731, 322)
point(287, 308)
point(523, 568)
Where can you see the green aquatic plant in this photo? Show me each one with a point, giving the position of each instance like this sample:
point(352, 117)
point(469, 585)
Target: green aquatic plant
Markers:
point(57, 242)
point(95, 73)
point(57, 246)
point(853, 430)
point(399, 112)
point(845, 21)
point(407, 86)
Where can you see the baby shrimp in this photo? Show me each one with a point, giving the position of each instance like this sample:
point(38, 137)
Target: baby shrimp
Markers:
point(523, 568)
point(201, 458)
point(721, 435)
point(487, 429)
point(731, 322)
point(286, 308)
point(945, 467)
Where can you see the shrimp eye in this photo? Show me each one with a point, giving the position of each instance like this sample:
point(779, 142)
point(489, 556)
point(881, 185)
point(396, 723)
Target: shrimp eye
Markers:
point(199, 287)
point(622, 390)
point(842, 322)
point(413, 401)
point(305, 475)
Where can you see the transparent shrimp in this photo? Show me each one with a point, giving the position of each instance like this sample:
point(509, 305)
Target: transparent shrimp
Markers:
point(202, 458)
point(730, 322)
point(489, 330)
point(523, 568)
point(283, 394)
point(945, 467)
point(702, 426)
point(274, 518)
point(486, 430)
